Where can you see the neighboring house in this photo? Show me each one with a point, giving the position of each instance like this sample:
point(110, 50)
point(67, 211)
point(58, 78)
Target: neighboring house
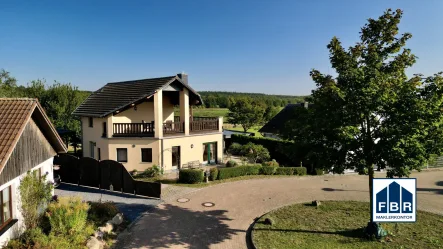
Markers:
point(28, 142)
point(133, 122)
point(278, 122)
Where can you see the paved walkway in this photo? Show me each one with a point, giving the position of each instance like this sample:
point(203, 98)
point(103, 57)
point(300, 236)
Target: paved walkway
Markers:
point(190, 225)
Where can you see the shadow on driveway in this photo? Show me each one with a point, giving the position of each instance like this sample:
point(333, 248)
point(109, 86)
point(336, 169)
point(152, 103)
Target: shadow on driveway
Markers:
point(173, 226)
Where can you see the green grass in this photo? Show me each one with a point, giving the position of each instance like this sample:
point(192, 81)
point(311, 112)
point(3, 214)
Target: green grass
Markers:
point(240, 128)
point(211, 183)
point(207, 112)
point(340, 224)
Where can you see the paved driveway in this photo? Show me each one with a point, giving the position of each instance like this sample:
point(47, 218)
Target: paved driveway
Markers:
point(190, 225)
point(131, 206)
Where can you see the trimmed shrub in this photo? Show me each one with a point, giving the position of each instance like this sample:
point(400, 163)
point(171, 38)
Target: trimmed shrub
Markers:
point(285, 171)
point(67, 216)
point(272, 163)
point(300, 171)
point(267, 170)
point(235, 149)
point(100, 212)
point(191, 176)
point(255, 152)
point(231, 163)
point(225, 173)
point(213, 174)
point(319, 172)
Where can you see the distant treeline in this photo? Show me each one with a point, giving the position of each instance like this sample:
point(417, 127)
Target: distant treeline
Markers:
point(220, 99)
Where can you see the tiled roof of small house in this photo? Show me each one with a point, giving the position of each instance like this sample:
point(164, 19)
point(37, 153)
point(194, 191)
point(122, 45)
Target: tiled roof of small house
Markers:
point(115, 96)
point(278, 121)
point(15, 113)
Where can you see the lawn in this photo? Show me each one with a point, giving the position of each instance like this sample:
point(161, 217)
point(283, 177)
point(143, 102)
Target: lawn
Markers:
point(240, 128)
point(207, 112)
point(340, 225)
point(210, 183)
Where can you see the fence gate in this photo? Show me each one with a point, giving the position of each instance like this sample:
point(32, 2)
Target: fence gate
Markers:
point(106, 174)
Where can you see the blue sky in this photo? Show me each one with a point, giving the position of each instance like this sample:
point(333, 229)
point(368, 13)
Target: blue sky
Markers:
point(244, 46)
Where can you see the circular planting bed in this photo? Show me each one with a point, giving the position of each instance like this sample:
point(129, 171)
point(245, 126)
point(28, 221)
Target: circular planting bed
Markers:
point(340, 224)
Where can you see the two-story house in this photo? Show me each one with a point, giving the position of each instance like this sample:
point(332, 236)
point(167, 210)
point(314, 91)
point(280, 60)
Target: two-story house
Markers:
point(133, 122)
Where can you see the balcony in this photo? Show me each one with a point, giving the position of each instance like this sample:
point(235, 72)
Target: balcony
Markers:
point(196, 126)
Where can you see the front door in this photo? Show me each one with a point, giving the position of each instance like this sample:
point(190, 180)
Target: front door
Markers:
point(210, 153)
point(175, 157)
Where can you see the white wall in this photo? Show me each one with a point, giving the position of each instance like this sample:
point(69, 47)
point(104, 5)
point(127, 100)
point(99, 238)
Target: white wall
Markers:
point(18, 228)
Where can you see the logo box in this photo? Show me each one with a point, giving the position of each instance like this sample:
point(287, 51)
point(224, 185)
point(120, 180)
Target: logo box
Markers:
point(394, 200)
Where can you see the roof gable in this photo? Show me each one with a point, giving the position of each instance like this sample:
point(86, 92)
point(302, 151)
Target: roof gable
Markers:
point(278, 121)
point(15, 113)
point(119, 95)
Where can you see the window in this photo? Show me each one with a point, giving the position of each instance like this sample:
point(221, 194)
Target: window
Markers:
point(91, 122)
point(122, 155)
point(105, 133)
point(6, 208)
point(99, 154)
point(147, 155)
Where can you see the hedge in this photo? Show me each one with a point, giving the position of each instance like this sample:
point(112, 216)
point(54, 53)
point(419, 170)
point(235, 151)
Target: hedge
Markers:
point(225, 173)
point(191, 176)
point(285, 171)
point(283, 152)
point(300, 171)
point(231, 163)
point(267, 170)
point(213, 174)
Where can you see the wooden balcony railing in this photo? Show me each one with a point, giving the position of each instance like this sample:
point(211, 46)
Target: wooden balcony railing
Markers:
point(204, 125)
point(173, 127)
point(133, 129)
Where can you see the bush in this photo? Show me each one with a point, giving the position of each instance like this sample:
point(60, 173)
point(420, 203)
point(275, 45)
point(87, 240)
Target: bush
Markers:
point(319, 172)
point(213, 174)
point(67, 216)
point(267, 170)
point(272, 163)
point(191, 176)
point(35, 193)
point(255, 152)
point(154, 171)
point(235, 149)
point(231, 163)
point(100, 212)
point(225, 173)
point(285, 171)
point(300, 171)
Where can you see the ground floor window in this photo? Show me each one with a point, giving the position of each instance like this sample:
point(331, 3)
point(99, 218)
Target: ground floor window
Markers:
point(146, 155)
point(210, 152)
point(6, 208)
point(122, 155)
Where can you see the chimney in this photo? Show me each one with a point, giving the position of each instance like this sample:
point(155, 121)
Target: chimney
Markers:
point(184, 77)
point(306, 104)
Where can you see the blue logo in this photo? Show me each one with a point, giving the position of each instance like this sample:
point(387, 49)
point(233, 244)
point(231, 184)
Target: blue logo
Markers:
point(394, 200)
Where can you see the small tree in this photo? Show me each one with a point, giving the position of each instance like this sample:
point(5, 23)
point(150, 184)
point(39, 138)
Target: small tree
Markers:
point(256, 152)
point(246, 112)
point(35, 193)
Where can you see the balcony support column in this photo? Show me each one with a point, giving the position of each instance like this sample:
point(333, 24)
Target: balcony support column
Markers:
point(158, 114)
point(184, 109)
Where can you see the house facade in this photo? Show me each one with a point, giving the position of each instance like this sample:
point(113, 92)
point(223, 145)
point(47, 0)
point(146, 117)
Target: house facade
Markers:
point(28, 142)
point(133, 122)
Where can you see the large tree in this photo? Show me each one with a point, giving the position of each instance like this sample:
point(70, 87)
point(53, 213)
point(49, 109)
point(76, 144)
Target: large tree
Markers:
point(371, 114)
point(246, 112)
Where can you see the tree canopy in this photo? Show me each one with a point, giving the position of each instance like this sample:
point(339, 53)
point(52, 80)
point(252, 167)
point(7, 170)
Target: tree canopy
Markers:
point(246, 112)
point(371, 113)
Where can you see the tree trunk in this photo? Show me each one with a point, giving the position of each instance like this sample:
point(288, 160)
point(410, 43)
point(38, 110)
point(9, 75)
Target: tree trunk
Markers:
point(371, 176)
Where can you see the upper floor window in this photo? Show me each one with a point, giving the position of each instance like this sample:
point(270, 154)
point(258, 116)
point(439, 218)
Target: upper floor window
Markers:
point(6, 207)
point(105, 133)
point(122, 155)
point(91, 122)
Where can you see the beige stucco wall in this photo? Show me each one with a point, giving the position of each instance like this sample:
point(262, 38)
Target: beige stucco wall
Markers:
point(134, 146)
point(189, 154)
point(94, 134)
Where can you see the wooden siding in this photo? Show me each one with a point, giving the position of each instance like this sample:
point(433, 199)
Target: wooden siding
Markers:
point(31, 150)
